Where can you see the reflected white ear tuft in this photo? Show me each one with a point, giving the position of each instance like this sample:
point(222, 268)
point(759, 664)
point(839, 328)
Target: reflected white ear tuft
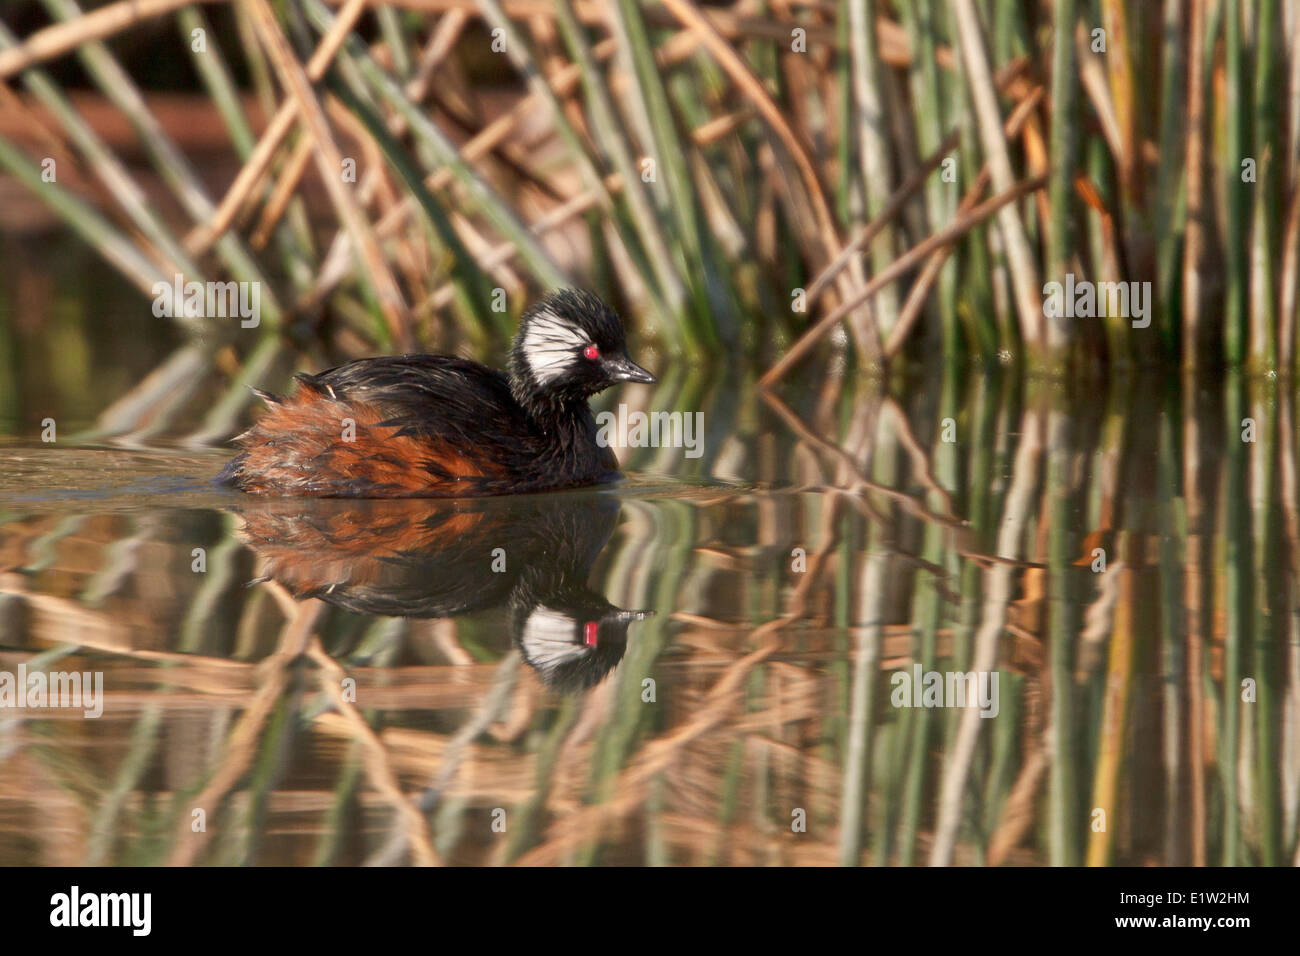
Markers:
point(548, 638)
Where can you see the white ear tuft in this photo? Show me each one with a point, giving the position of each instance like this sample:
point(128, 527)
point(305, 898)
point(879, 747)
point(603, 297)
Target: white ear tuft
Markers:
point(550, 346)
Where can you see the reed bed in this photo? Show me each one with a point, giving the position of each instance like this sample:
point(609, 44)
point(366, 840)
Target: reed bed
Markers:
point(780, 180)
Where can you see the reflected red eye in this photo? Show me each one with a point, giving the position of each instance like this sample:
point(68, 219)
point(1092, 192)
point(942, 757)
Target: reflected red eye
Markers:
point(591, 352)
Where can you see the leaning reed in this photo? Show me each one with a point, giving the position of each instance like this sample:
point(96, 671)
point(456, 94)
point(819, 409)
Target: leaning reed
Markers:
point(732, 177)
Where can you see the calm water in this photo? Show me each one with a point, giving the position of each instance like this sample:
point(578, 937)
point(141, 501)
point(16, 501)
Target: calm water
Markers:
point(708, 664)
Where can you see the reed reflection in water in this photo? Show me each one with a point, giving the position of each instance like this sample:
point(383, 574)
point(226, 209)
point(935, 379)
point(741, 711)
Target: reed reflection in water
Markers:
point(393, 689)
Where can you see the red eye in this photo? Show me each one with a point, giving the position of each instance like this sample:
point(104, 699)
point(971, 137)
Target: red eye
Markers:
point(591, 352)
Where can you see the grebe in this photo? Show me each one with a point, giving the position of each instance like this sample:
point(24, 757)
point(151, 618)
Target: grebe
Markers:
point(435, 426)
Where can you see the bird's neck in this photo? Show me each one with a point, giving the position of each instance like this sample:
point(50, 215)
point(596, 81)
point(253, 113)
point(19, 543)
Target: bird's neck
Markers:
point(566, 418)
point(569, 446)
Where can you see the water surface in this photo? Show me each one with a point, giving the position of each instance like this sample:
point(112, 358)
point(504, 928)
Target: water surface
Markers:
point(700, 665)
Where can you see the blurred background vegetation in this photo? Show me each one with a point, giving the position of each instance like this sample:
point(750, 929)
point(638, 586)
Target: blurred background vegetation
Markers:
point(783, 180)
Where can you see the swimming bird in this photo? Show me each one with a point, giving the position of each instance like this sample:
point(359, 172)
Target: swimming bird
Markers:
point(437, 426)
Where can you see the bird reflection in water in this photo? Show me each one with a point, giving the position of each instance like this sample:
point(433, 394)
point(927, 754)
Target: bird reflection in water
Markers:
point(531, 554)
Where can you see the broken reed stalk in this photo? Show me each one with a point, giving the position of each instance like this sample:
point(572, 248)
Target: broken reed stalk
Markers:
point(930, 273)
point(329, 162)
point(60, 38)
point(251, 173)
point(948, 234)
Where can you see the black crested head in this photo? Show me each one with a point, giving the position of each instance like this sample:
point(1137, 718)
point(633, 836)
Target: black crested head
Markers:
point(570, 345)
point(574, 638)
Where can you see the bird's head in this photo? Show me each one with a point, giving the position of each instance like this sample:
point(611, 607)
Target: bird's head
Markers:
point(570, 344)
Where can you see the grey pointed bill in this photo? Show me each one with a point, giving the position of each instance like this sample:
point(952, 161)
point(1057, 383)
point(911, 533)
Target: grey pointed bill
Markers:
point(625, 370)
